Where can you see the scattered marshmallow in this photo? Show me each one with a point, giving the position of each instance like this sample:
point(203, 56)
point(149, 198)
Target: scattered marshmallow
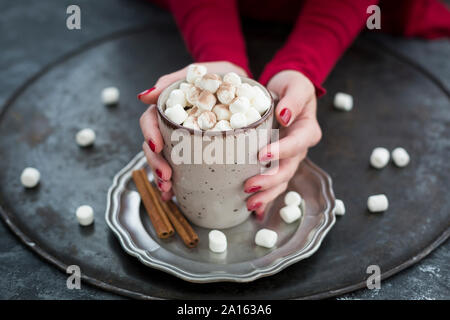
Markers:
point(209, 82)
point(195, 71)
point(379, 157)
point(191, 123)
point(400, 157)
point(226, 93)
point(222, 125)
point(377, 203)
point(222, 112)
point(260, 101)
point(177, 96)
point(245, 90)
point(176, 113)
point(252, 115)
point(238, 120)
point(239, 104)
point(110, 95)
point(217, 241)
point(233, 79)
point(206, 100)
point(343, 101)
point(266, 238)
point(290, 213)
point(206, 120)
point(339, 209)
point(85, 137)
point(85, 215)
point(30, 177)
point(292, 198)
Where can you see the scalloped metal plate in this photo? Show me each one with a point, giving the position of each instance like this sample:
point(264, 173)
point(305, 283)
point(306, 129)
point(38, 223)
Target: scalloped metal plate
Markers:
point(243, 260)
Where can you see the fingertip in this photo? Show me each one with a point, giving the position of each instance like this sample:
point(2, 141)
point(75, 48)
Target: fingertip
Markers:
point(148, 96)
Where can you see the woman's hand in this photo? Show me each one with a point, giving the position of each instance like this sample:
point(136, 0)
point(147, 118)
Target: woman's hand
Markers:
point(153, 144)
point(296, 112)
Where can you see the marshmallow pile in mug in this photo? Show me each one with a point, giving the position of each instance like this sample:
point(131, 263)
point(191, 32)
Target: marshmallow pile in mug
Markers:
point(208, 102)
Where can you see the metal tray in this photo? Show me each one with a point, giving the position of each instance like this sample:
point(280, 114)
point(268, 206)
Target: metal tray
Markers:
point(243, 261)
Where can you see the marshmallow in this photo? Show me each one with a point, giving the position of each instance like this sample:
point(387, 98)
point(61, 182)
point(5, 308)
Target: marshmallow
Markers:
point(226, 93)
point(339, 208)
point(192, 95)
point(209, 82)
point(222, 125)
point(191, 123)
point(377, 203)
point(232, 78)
point(292, 198)
point(260, 101)
point(176, 113)
point(195, 71)
point(343, 101)
point(194, 112)
point(217, 241)
point(400, 157)
point(290, 213)
point(85, 215)
point(266, 238)
point(238, 120)
point(222, 112)
point(239, 104)
point(206, 100)
point(85, 137)
point(252, 115)
point(30, 177)
point(379, 157)
point(206, 120)
point(110, 95)
point(245, 90)
point(184, 86)
point(177, 96)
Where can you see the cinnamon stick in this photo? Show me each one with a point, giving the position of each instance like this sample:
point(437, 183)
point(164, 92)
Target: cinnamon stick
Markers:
point(161, 223)
point(181, 225)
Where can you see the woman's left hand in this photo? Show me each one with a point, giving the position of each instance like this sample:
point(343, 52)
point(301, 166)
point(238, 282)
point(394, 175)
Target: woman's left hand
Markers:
point(296, 112)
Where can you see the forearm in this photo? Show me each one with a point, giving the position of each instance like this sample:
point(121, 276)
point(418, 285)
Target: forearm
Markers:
point(211, 30)
point(323, 31)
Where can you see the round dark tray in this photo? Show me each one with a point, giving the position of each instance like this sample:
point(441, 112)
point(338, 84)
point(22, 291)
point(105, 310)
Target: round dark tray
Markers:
point(396, 104)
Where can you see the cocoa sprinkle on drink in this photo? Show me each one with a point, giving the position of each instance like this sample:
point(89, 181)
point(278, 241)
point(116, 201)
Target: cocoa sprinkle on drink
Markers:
point(164, 215)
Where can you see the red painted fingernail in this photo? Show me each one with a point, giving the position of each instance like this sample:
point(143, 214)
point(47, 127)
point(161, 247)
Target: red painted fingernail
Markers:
point(159, 184)
point(252, 189)
point(158, 173)
point(285, 116)
point(254, 206)
point(267, 157)
point(151, 145)
point(146, 92)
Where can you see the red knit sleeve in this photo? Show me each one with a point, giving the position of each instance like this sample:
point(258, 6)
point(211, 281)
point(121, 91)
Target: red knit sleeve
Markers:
point(323, 31)
point(211, 30)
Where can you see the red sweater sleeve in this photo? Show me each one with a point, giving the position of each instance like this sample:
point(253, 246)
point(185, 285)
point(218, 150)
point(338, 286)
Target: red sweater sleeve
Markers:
point(323, 31)
point(211, 30)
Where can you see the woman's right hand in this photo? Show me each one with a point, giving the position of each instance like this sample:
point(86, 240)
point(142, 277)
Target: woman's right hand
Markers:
point(153, 144)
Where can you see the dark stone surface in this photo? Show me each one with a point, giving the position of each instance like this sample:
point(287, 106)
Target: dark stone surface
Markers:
point(38, 280)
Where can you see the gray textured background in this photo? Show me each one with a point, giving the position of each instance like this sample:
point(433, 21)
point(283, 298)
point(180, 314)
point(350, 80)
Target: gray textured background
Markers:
point(25, 51)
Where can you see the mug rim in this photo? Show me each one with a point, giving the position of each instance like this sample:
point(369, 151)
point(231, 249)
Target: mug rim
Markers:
point(191, 131)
